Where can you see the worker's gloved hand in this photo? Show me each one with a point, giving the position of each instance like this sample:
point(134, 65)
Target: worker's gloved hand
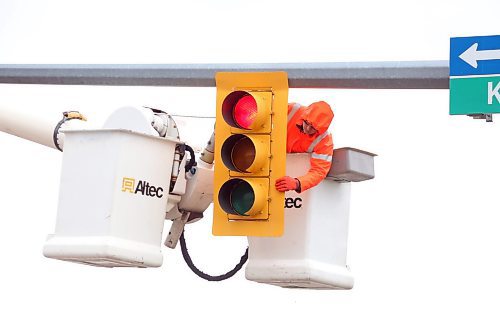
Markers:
point(286, 184)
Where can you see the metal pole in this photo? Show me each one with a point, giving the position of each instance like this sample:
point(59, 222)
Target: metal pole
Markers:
point(351, 75)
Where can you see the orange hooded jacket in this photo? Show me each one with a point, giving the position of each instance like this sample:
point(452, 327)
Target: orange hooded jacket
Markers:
point(319, 145)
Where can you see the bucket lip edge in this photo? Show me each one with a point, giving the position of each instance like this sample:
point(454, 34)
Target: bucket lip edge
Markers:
point(119, 130)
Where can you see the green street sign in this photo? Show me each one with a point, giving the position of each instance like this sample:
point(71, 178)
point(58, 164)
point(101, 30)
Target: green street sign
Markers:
point(474, 95)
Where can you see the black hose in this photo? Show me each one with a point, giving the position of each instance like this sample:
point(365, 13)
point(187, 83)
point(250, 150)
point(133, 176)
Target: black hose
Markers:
point(189, 262)
point(192, 160)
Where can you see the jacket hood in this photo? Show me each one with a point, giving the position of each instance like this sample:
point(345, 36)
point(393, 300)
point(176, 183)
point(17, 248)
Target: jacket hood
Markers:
point(320, 115)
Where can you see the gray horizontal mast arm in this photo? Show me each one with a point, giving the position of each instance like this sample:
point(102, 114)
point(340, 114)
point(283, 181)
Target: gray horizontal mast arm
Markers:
point(350, 75)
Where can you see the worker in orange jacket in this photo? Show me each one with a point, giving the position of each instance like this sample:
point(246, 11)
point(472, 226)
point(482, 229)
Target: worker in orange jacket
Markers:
point(307, 132)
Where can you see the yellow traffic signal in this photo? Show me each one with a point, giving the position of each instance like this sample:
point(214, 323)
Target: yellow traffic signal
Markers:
point(250, 153)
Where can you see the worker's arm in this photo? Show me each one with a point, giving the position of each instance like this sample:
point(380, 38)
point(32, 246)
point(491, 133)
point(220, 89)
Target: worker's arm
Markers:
point(321, 162)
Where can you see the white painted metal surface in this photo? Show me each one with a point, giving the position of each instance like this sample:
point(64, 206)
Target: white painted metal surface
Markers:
point(200, 188)
point(103, 216)
point(137, 119)
point(352, 165)
point(312, 252)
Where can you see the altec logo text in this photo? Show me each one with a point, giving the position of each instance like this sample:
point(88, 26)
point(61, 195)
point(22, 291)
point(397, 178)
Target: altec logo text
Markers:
point(143, 187)
point(293, 202)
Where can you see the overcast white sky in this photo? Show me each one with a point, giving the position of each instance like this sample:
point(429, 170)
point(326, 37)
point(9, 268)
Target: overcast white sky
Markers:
point(423, 242)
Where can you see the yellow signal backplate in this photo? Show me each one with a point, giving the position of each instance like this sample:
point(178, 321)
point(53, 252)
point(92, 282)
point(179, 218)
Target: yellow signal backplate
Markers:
point(275, 83)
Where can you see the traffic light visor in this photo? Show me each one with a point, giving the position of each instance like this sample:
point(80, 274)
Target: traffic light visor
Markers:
point(237, 197)
point(243, 197)
point(238, 153)
point(246, 153)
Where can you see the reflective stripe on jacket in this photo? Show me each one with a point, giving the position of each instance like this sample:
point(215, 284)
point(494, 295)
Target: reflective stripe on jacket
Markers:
point(320, 145)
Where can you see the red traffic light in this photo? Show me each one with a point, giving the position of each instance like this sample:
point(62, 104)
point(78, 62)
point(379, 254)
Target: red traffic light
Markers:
point(245, 111)
point(240, 110)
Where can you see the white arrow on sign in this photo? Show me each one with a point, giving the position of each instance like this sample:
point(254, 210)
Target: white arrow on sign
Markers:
point(472, 55)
